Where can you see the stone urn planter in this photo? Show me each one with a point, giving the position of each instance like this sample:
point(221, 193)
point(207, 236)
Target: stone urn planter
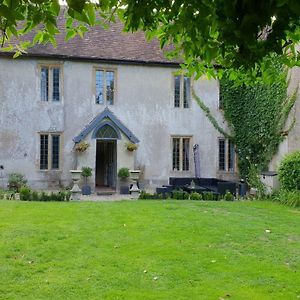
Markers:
point(75, 175)
point(134, 176)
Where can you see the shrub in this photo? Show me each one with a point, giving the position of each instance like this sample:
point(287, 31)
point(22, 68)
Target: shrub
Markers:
point(86, 172)
point(15, 181)
point(123, 173)
point(180, 195)
point(195, 196)
point(25, 193)
point(289, 171)
point(35, 196)
point(228, 196)
point(210, 196)
point(289, 198)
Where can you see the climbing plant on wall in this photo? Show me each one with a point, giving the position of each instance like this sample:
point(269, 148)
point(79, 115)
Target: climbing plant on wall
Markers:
point(257, 118)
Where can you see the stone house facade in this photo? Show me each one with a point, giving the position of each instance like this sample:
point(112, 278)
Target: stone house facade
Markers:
point(106, 90)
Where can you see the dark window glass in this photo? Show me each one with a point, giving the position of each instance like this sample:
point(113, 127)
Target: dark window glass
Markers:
point(55, 91)
point(222, 155)
point(186, 92)
point(177, 91)
point(44, 83)
point(44, 151)
point(185, 154)
point(55, 151)
point(176, 151)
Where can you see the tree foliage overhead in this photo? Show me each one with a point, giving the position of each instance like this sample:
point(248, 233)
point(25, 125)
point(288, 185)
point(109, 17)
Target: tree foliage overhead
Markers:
point(238, 34)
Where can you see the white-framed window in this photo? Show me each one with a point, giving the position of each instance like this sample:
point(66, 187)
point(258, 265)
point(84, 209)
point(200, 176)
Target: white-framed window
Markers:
point(50, 148)
point(227, 157)
point(50, 82)
point(182, 91)
point(105, 86)
point(181, 153)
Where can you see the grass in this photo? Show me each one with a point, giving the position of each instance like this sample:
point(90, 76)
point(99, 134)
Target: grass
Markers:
point(149, 250)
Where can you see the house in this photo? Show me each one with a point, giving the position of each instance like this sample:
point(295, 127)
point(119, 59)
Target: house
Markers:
point(105, 91)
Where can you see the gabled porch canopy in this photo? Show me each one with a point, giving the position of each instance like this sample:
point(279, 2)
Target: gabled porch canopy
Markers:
point(105, 118)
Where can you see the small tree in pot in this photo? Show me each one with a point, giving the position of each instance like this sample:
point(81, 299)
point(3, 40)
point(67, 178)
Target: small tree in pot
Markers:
point(86, 173)
point(124, 174)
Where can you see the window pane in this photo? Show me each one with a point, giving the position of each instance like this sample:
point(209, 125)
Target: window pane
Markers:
point(106, 132)
point(177, 91)
point(55, 152)
point(186, 92)
point(55, 91)
point(222, 155)
point(176, 142)
point(185, 154)
point(99, 87)
point(110, 87)
point(231, 155)
point(44, 83)
point(44, 152)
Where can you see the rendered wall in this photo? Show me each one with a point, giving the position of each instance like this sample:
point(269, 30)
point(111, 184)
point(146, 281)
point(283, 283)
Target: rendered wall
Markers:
point(144, 103)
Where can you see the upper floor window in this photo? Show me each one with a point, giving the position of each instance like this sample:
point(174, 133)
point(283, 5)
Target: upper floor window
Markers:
point(105, 86)
point(50, 83)
point(50, 144)
point(181, 153)
point(226, 155)
point(182, 91)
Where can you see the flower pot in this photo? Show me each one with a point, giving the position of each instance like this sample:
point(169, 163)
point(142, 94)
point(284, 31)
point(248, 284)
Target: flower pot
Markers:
point(86, 190)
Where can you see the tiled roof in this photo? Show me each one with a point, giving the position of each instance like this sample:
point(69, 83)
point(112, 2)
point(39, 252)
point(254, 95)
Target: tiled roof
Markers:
point(110, 44)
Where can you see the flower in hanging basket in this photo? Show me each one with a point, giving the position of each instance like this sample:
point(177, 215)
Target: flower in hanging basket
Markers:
point(82, 146)
point(131, 146)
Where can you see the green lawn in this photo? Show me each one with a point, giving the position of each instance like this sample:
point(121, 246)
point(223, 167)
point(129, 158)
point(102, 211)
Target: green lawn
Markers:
point(149, 250)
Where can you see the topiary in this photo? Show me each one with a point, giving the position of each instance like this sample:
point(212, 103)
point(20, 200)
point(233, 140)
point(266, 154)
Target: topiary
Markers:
point(289, 171)
point(123, 173)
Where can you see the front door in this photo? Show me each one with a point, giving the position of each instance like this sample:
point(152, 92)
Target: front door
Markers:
point(106, 171)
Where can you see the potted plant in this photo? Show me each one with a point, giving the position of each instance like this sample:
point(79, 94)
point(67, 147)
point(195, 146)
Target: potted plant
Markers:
point(16, 181)
point(86, 173)
point(81, 146)
point(131, 146)
point(124, 174)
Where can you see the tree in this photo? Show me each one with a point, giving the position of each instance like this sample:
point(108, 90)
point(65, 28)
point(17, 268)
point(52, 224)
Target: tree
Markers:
point(210, 36)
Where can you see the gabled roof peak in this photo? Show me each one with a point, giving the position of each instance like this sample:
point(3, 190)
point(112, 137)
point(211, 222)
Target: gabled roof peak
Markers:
point(97, 121)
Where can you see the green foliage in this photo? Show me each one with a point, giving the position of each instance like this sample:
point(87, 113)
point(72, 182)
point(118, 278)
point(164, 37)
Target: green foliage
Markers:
point(123, 173)
point(86, 172)
point(25, 193)
point(180, 195)
point(287, 197)
point(15, 181)
point(257, 117)
point(289, 171)
point(238, 35)
point(228, 196)
point(195, 196)
point(210, 196)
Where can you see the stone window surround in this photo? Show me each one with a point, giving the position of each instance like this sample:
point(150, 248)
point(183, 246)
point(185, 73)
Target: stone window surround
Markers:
point(181, 137)
point(50, 134)
point(181, 90)
point(50, 83)
point(227, 169)
point(105, 68)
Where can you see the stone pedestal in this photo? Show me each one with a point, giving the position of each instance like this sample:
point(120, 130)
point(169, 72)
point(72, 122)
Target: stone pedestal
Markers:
point(76, 191)
point(134, 190)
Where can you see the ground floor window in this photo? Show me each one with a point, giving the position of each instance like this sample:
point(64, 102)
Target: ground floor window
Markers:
point(226, 155)
point(181, 153)
point(50, 145)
